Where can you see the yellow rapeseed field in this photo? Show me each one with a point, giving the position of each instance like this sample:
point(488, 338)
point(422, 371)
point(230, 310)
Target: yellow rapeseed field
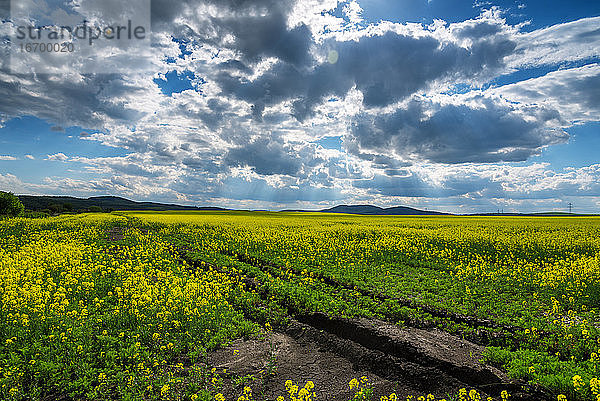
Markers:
point(125, 306)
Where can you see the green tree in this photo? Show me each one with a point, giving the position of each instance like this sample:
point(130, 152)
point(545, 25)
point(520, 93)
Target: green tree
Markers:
point(10, 205)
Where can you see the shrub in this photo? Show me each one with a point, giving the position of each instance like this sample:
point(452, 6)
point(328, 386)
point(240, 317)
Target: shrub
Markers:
point(10, 205)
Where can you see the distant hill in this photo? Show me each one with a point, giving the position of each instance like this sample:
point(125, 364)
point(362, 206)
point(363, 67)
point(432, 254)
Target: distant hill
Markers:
point(62, 204)
point(69, 203)
point(376, 211)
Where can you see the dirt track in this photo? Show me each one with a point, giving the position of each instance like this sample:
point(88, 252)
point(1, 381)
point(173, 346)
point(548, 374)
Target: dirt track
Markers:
point(331, 352)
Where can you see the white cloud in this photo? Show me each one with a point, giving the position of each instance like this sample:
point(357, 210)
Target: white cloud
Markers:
point(574, 93)
point(61, 157)
point(30, 157)
point(10, 183)
point(389, 96)
point(557, 44)
point(7, 158)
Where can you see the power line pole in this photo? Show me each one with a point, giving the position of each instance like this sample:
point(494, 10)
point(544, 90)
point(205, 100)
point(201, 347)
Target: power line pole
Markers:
point(570, 207)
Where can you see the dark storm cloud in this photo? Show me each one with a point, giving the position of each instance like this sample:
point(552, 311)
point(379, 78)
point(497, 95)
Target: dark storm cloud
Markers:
point(202, 163)
point(166, 11)
point(259, 29)
point(490, 132)
point(214, 115)
point(385, 68)
point(260, 36)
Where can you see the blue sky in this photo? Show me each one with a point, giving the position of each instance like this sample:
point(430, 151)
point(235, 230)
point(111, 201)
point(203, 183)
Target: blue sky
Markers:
point(272, 104)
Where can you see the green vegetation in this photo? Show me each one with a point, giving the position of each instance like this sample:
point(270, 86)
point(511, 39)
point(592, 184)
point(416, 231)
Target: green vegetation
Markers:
point(126, 306)
point(10, 205)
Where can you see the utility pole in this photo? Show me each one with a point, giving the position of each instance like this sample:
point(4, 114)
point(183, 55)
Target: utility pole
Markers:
point(570, 207)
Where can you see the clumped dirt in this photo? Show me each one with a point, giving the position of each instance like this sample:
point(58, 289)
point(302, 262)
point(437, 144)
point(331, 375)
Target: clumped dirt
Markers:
point(331, 352)
point(299, 360)
point(430, 349)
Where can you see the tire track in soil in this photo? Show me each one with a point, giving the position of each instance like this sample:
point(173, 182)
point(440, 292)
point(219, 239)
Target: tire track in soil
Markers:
point(416, 361)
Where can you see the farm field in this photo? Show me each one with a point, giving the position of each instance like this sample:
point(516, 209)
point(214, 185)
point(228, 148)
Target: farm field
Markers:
point(179, 305)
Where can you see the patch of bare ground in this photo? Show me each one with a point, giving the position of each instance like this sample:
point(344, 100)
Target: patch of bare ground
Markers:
point(332, 351)
point(297, 359)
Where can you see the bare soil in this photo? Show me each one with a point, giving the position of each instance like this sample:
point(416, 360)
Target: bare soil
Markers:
point(330, 352)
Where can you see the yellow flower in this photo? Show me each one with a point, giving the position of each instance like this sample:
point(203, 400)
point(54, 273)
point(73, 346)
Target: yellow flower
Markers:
point(353, 384)
point(595, 386)
point(474, 395)
point(578, 382)
point(164, 390)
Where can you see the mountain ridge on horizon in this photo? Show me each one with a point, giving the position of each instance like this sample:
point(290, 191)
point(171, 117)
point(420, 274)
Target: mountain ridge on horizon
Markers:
point(106, 202)
point(110, 202)
point(371, 210)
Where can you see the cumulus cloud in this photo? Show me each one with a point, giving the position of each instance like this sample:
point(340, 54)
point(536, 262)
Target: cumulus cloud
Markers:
point(575, 92)
point(401, 96)
point(7, 158)
point(558, 44)
point(492, 182)
point(60, 157)
point(269, 156)
point(10, 182)
point(478, 129)
point(386, 63)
